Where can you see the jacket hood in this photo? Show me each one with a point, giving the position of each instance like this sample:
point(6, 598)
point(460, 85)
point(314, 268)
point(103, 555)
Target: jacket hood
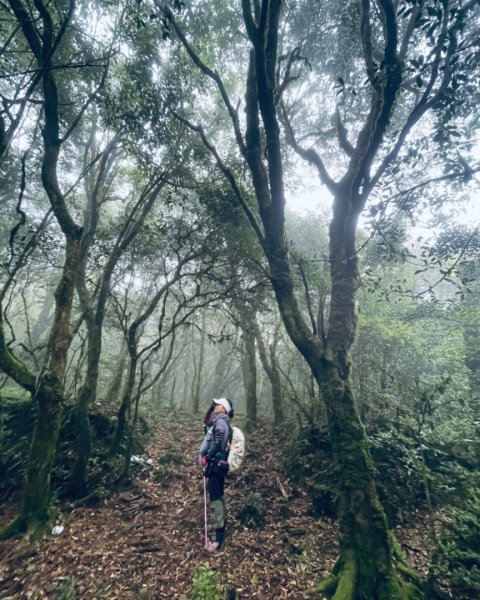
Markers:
point(223, 417)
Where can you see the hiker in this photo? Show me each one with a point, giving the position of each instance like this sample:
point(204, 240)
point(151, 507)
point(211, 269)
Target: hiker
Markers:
point(213, 455)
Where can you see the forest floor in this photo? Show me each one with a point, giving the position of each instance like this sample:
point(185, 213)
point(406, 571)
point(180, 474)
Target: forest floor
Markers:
point(146, 542)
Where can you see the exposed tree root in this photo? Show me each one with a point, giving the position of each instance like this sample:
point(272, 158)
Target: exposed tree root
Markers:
point(401, 584)
point(345, 588)
point(33, 529)
point(12, 529)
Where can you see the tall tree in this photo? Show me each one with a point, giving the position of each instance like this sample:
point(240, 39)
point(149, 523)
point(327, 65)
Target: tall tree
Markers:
point(247, 319)
point(44, 28)
point(94, 309)
point(367, 567)
point(269, 361)
point(199, 370)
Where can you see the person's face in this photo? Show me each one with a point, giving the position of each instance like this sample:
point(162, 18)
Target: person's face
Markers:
point(218, 410)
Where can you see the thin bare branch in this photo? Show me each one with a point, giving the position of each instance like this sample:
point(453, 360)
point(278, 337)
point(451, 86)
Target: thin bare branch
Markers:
point(228, 175)
point(87, 103)
point(309, 155)
point(212, 75)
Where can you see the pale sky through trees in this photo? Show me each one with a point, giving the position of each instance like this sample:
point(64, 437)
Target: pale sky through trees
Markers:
point(312, 197)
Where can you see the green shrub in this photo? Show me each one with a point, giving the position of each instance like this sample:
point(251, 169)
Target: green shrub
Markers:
point(171, 456)
point(251, 512)
point(204, 584)
point(17, 417)
point(164, 476)
point(401, 474)
point(456, 563)
point(450, 479)
point(306, 461)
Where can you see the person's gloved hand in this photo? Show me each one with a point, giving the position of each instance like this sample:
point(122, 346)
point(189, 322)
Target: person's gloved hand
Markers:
point(203, 461)
point(207, 421)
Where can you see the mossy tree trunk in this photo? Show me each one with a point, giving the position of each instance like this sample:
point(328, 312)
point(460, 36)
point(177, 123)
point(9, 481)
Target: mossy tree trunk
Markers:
point(125, 405)
point(366, 568)
point(95, 311)
point(88, 391)
point(249, 365)
point(270, 365)
point(116, 381)
point(201, 361)
point(48, 388)
point(49, 397)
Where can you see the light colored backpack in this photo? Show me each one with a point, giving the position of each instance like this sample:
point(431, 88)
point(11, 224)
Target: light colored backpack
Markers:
point(237, 448)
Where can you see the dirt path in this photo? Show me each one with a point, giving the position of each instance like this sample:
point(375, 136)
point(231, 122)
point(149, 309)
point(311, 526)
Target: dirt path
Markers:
point(146, 543)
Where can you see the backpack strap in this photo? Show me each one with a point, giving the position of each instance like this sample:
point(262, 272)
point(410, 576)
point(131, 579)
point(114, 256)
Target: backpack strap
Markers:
point(229, 438)
point(217, 447)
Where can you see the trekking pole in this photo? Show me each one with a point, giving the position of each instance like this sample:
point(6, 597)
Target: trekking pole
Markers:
point(205, 509)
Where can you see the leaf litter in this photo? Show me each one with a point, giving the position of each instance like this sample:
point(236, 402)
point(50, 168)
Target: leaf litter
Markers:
point(146, 542)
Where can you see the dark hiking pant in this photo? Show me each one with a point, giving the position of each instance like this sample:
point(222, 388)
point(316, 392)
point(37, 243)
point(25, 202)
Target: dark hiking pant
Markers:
point(216, 521)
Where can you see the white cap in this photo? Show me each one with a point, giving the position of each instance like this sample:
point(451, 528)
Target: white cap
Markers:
point(224, 402)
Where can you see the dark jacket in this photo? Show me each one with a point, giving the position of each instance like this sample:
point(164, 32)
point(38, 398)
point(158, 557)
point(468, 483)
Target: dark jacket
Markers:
point(216, 438)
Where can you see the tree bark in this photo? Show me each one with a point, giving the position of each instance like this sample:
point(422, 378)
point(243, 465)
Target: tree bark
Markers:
point(365, 568)
point(270, 365)
point(116, 381)
point(249, 367)
point(125, 405)
point(201, 360)
point(95, 316)
point(48, 391)
point(48, 396)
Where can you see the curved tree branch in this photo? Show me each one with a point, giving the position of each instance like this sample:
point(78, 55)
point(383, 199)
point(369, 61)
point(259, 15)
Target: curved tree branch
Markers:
point(211, 74)
point(428, 99)
point(12, 366)
point(309, 155)
point(228, 175)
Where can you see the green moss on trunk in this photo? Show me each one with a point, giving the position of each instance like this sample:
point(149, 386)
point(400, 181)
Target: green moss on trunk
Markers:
point(87, 395)
point(33, 516)
point(125, 405)
point(249, 371)
point(77, 483)
point(34, 511)
point(366, 568)
point(119, 433)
